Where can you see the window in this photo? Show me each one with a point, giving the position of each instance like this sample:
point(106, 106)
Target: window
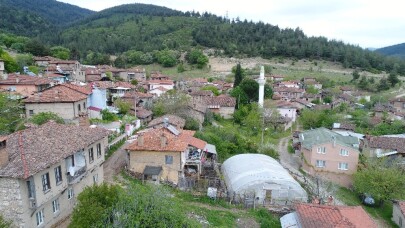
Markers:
point(98, 150)
point(78, 107)
point(70, 193)
point(321, 150)
point(344, 152)
point(45, 182)
point(40, 217)
point(84, 105)
point(31, 112)
point(343, 166)
point(30, 187)
point(55, 206)
point(320, 163)
point(169, 159)
point(95, 178)
point(58, 175)
point(91, 155)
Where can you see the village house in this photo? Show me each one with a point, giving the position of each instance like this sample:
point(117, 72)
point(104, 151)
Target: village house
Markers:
point(174, 120)
point(307, 82)
point(71, 67)
point(44, 60)
point(136, 74)
point(43, 169)
point(224, 105)
point(398, 104)
point(287, 93)
point(93, 75)
point(23, 84)
point(158, 91)
point(287, 109)
point(139, 104)
point(381, 146)
point(60, 99)
point(346, 90)
point(289, 84)
point(398, 213)
point(329, 154)
point(158, 76)
point(276, 78)
point(167, 84)
point(315, 215)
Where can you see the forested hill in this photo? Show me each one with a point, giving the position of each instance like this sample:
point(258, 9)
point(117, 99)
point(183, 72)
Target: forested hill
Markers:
point(394, 50)
point(141, 30)
point(32, 17)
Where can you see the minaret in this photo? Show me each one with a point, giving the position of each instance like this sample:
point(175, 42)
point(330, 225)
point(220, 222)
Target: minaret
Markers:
point(261, 82)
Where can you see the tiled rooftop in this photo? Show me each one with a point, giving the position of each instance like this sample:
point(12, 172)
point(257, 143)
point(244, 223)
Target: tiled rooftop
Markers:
point(57, 94)
point(46, 145)
point(317, 216)
point(14, 79)
point(177, 121)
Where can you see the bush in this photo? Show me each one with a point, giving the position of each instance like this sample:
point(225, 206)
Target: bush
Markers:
point(44, 117)
point(192, 124)
point(108, 116)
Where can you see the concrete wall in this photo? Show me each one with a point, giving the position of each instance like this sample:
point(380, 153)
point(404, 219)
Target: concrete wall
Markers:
point(138, 160)
point(288, 112)
point(14, 192)
point(397, 215)
point(67, 111)
point(332, 157)
point(227, 112)
point(25, 90)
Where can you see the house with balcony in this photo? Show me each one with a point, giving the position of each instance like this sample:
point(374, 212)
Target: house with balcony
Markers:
point(44, 168)
point(329, 154)
point(168, 154)
point(384, 145)
point(68, 103)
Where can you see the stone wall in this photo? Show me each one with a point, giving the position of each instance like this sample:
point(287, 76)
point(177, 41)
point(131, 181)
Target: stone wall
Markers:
point(11, 205)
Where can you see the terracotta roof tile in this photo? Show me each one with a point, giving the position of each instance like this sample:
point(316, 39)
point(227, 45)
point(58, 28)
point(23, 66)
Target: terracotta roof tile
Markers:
point(177, 121)
point(190, 140)
point(152, 141)
point(46, 145)
point(161, 82)
point(139, 95)
point(14, 79)
point(82, 89)
point(56, 94)
point(387, 143)
point(207, 93)
point(223, 101)
point(288, 89)
point(314, 215)
point(143, 113)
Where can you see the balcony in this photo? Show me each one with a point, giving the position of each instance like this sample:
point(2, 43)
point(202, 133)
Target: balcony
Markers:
point(75, 173)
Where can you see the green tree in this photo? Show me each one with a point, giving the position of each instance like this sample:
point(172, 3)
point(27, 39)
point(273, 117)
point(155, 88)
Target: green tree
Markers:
point(108, 116)
point(94, 204)
point(212, 88)
point(10, 114)
point(383, 84)
point(238, 75)
point(24, 60)
point(355, 75)
point(167, 58)
point(123, 106)
point(10, 65)
point(251, 89)
point(60, 52)
point(381, 178)
point(393, 78)
point(363, 83)
point(174, 102)
point(192, 124)
point(240, 95)
point(312, 90)
point(196, 56)
point(36, 48)
point(43, 117)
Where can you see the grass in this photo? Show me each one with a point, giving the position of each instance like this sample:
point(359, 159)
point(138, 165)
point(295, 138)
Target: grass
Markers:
point(350, 198)
point(114, 148)
point(218, 213)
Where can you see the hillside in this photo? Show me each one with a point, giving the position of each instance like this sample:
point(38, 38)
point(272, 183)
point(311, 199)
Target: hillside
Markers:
point(123, 30)
point(31, 18)
point(397, 50)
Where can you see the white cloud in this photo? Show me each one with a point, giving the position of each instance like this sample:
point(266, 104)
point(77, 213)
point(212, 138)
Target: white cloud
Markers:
point(362, 22)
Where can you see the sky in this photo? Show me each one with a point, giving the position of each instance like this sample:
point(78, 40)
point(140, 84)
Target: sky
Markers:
point(369, 24)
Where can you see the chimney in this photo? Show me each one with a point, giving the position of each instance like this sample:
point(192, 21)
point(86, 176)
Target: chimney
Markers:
point(140, 139)
point(166, 122)
point(3, 153)
point(163, 140)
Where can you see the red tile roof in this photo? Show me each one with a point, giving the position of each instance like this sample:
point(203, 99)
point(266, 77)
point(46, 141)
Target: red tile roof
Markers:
point(14, 79)
point(56, 94)
point(190, 140)
point(161, 82)
point(143, 113)
point(288, 89)
point(46, 145)
point(387, 143)
point(177, 121)
point(314, 215)
point(161, 88)
point(222, 101)
point(82, 89)
point(139, 95)
point(152, 141)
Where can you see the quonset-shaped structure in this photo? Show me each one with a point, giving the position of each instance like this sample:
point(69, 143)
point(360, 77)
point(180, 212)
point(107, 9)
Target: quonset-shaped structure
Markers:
point(263, 177)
